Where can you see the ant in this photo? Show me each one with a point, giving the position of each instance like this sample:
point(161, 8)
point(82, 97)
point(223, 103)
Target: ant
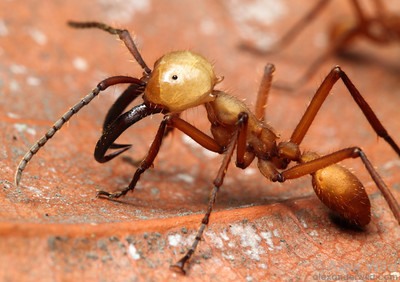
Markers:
point(182, 80)
point(381, 28)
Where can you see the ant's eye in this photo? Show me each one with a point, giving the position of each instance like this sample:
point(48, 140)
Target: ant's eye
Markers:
point(174, 77)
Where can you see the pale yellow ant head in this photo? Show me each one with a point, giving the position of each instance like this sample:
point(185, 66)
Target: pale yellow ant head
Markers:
point(181, 80)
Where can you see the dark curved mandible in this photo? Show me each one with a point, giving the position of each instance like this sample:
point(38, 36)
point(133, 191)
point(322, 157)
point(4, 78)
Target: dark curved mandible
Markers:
point(131, 93)
point(112, 132)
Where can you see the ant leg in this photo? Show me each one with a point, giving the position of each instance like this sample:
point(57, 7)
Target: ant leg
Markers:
point(300, 25)
point(263, 91)
point(125, 121)
point(333, 158)
point(308, 117)
point(103, 85)
point(241, 126)
point(168, 130)
point(359, 12)
point(374, 28)
point(319, 98)
point(123, 35)
point(380, 8)
point(339, 40)
point(292, 33)
point(333, 48)
point(344, 35)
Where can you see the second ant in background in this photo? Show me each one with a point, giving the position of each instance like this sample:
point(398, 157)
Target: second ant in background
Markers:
point(381, 26)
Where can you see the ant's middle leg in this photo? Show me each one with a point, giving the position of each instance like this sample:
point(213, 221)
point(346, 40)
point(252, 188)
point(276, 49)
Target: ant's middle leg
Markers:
point(238, 140)
point(171, 121)
point(319, 98)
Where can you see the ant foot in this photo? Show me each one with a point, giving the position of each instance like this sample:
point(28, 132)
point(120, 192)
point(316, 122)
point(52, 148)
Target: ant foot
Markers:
point(178, 268)
point(104, 194)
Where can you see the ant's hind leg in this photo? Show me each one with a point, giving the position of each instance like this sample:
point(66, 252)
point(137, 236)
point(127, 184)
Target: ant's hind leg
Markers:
point(309, 116)
point(310, 167)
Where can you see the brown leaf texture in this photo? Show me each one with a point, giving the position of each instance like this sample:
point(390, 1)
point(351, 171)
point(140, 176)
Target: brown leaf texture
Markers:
point(54, 228)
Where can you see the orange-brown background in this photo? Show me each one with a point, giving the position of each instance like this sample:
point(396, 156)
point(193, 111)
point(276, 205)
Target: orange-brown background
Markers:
point(53, 228)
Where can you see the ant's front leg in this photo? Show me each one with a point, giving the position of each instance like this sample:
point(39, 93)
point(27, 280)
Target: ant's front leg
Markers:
point(146, 163)
point(126, 120)
point(122, 34)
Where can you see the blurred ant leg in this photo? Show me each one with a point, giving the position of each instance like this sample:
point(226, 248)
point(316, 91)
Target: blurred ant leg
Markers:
point(123, 35)
point(263, 91)
point(103, 85)
point(130, 94)
point(292, 33)
point(333, 48)
point(358, 11)
point(333, 158)
point(170, 120)
point(319, 98)
point(380, 8)
point(241, 126)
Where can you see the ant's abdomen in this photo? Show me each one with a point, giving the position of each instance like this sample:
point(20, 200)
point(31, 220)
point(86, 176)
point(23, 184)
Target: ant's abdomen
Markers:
point(343, 193)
